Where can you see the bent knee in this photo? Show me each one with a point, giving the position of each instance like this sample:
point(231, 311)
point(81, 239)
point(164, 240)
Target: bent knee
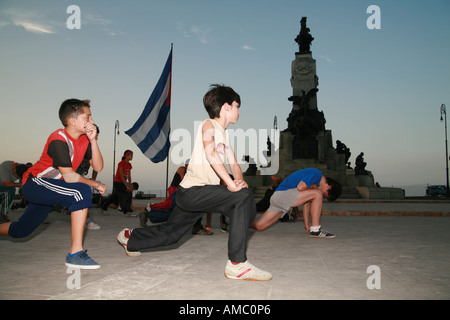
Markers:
point(18, 231)
point(246, 194)
point(310, 195)
point(259, 227)
point(84, 189)
point(317, 194)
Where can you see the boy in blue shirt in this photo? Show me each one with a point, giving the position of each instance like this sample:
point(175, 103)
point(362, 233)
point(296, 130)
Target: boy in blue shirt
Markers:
point(304, 187)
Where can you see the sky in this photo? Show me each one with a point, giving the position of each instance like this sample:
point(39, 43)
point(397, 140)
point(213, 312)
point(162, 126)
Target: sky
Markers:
point(381, 90)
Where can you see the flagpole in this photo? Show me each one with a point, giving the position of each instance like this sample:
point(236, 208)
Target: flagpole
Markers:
point(116, 130)
point(167, 175)
point(168, 151)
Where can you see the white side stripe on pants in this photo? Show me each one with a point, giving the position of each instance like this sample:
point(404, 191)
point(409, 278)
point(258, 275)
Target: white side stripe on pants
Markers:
point(58, 189)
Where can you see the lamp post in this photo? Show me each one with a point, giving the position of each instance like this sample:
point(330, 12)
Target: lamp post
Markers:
point(116, 130)
point(444, 112)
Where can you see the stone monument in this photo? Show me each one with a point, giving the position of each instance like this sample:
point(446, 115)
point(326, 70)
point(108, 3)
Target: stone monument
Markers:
point(307, 143)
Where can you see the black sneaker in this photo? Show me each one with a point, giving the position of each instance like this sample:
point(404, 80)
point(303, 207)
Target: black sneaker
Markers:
point(321, 234)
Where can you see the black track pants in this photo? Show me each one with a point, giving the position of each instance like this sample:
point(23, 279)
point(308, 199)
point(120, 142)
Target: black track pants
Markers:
point(192, 203)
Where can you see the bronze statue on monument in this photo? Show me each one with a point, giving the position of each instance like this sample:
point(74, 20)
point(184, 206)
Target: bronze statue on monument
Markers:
point(304, 39)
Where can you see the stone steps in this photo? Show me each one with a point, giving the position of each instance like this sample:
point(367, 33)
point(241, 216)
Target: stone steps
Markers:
point(350, 193)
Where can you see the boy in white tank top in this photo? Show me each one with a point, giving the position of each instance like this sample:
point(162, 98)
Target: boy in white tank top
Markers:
point(201, 191)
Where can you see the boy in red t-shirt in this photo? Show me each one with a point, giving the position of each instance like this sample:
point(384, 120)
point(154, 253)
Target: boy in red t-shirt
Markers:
point(53, 180)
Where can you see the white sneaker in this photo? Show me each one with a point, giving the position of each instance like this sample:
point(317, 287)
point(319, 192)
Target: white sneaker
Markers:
point(92, 226)
point(123, 237)
point(246, 271)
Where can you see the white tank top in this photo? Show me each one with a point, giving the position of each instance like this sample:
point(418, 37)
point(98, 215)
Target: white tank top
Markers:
point(199, 171)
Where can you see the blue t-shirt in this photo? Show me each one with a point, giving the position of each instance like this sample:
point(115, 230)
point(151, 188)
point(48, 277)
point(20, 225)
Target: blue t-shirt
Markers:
point(309, 176)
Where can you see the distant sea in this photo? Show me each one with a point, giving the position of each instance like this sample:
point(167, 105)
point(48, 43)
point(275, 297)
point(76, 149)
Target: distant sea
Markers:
point(414, 190)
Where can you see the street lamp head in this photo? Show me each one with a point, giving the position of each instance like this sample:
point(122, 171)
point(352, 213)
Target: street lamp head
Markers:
point(116, 127)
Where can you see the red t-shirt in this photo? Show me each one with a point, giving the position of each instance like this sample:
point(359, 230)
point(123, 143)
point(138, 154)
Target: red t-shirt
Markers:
point(61, 150)
point(126, 166)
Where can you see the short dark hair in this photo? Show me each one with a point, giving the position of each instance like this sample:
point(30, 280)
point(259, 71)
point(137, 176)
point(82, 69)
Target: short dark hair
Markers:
point(217, 96)
point(21, 169)
point(126, 153)
point(72, 108)
point(335, 191)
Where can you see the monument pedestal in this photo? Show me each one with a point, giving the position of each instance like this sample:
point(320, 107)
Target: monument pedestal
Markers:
point(381, 193)
point(329, 161)
point(304, 77)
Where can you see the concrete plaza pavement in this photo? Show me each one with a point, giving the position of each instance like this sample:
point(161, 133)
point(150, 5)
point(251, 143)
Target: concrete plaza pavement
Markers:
point(409, 241)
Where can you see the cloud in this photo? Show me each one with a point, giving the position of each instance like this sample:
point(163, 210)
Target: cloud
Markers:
point(97, 20)
point(181, 28)
point(36, 22)
point(201, 33)
point(33, 27)
point(327, 59)
point(246, 47)
point(31, 21)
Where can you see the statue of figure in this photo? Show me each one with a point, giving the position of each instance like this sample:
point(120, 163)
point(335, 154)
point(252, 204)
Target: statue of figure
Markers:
point(360, 165)
point(342, 149)
point(304, 38)
point(305, 126)
point(251, 170)
point(305, 121)
point(303, 101)
point(268, 153)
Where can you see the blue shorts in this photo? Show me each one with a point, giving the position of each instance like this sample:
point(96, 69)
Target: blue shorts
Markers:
point(42, 194)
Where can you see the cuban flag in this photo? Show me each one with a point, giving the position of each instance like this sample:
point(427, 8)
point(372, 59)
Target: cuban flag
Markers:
point(151, 131)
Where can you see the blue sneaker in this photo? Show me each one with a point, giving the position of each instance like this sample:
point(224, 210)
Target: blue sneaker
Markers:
point(81, 260)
